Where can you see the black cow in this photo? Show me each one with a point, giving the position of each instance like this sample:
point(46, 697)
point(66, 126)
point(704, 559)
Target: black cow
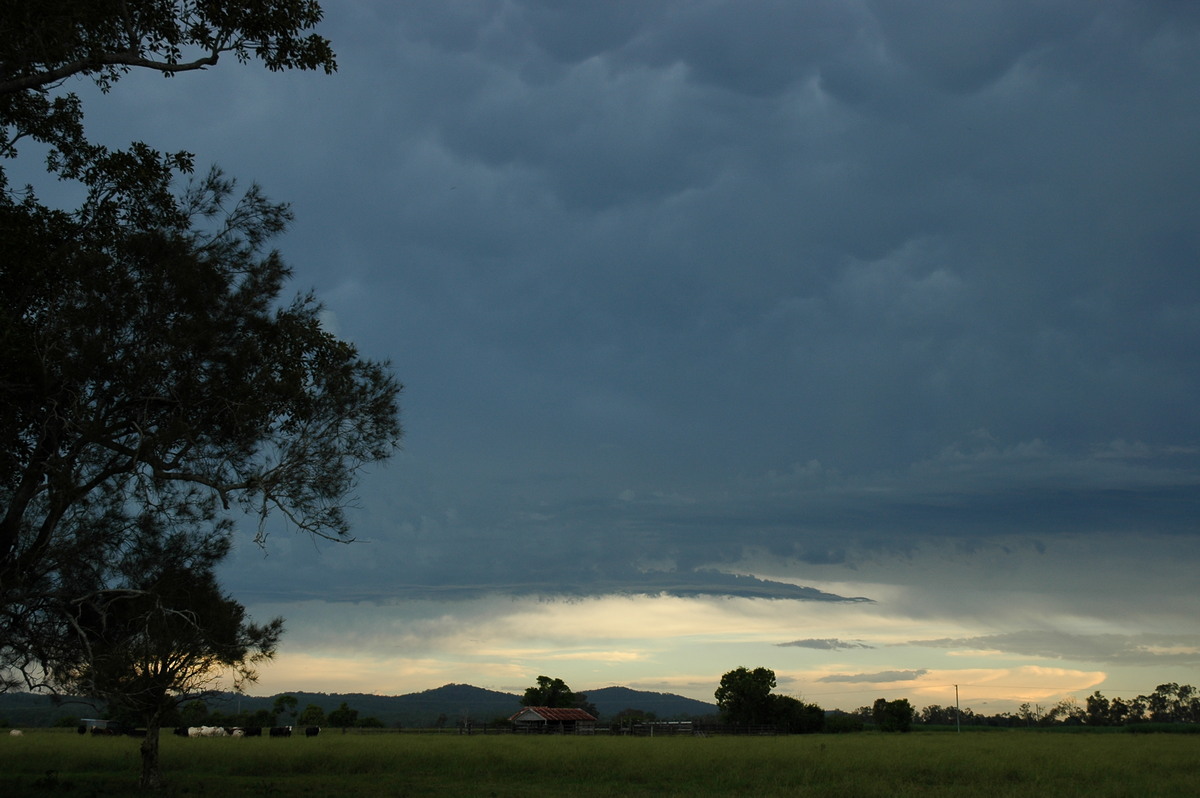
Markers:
point(180, 731)
point(312, 731)
point(281, 731)
point(253, 731)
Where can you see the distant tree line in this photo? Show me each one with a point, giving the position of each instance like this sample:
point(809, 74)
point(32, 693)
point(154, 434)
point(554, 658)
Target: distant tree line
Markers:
point(744, 698)
point(1169, 703)
point(283, 712)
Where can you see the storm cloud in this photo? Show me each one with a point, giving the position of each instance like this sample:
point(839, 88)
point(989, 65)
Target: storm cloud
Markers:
point(827, 644)
point(834, 308)
point(871, 678)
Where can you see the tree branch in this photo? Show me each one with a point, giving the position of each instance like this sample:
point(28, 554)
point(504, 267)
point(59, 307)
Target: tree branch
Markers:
point(127, 58)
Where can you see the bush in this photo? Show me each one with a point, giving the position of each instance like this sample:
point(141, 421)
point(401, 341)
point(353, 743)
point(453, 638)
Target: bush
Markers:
point(841, 723)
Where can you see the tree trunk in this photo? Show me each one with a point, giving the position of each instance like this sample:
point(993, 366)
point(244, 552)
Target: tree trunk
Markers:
point(151, 772)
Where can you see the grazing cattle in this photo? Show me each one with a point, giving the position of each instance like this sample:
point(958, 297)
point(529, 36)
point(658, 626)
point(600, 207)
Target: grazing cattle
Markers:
point(180, 731)
point(235, 732)
point(312, 731)
point(253, 731)
point(16, 733)
point(203, 731)
point(281, 731)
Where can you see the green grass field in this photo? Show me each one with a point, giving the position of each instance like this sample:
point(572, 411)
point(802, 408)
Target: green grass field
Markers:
point(50, 763)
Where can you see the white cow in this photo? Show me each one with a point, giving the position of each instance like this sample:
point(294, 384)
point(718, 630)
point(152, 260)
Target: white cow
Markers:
point(16, 733)
point(207, 731)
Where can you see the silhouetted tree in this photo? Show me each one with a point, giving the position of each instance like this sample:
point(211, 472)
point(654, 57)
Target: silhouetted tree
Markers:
point(152, 371)
point(744, 696)
point(193, 713)
point(1099, 710)
point(312, 715)
point(161, 636)
point(555, 693)
point(794, 716)
point(343, 717)
point(892, 716)
point(285, 705)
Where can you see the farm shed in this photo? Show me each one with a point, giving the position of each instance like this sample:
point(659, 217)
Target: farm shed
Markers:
point(553, 720)
point(99, 726)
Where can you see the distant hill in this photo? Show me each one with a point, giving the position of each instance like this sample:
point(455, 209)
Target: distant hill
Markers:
point(665, 706)
point(24, 709)
point(453, 701)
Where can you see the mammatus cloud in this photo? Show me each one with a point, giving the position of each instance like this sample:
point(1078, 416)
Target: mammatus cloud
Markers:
point(1117, 649)
point(875, 678)
point(827, 644)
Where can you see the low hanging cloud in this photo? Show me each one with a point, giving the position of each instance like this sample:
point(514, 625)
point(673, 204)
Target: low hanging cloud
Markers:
point(826, 644)
point(882, 677)
point(568, 581)
point(1142, 649)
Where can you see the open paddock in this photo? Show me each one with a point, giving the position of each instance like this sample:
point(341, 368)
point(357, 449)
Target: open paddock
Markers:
point(1017, 764)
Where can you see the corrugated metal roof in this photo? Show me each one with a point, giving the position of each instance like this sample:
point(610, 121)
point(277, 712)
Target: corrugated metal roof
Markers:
point(557, 713)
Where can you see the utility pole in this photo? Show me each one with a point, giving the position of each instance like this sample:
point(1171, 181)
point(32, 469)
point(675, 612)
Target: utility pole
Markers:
point(957, 712)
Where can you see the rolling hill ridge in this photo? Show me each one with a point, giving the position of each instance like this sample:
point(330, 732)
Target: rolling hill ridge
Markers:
point(448, 703)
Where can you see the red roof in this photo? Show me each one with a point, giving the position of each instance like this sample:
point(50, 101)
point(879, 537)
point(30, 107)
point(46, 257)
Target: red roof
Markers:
point(557, 713)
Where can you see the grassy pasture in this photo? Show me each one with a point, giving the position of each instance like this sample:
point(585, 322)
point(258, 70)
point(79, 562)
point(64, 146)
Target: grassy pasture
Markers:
point(49, 763)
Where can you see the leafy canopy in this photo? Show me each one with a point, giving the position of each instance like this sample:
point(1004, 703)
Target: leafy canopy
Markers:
point(44, 42)
point(153, 631)
point(555, 693)
point(744, 695)
point(745, 698)
point(162, 632)
point(154, 378)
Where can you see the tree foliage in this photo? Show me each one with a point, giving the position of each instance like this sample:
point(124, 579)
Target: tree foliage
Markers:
point(45, 42)
point(795, 716)
point(343, 717)
point(744, 695)
point(154, 376)
point(156, 385)
point(555, 693)
point(745, 699)
point(158, 632)
point(42, 44)
point(285, 705)
point(893, 716)
point(1169, 703)
point(312, 715)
